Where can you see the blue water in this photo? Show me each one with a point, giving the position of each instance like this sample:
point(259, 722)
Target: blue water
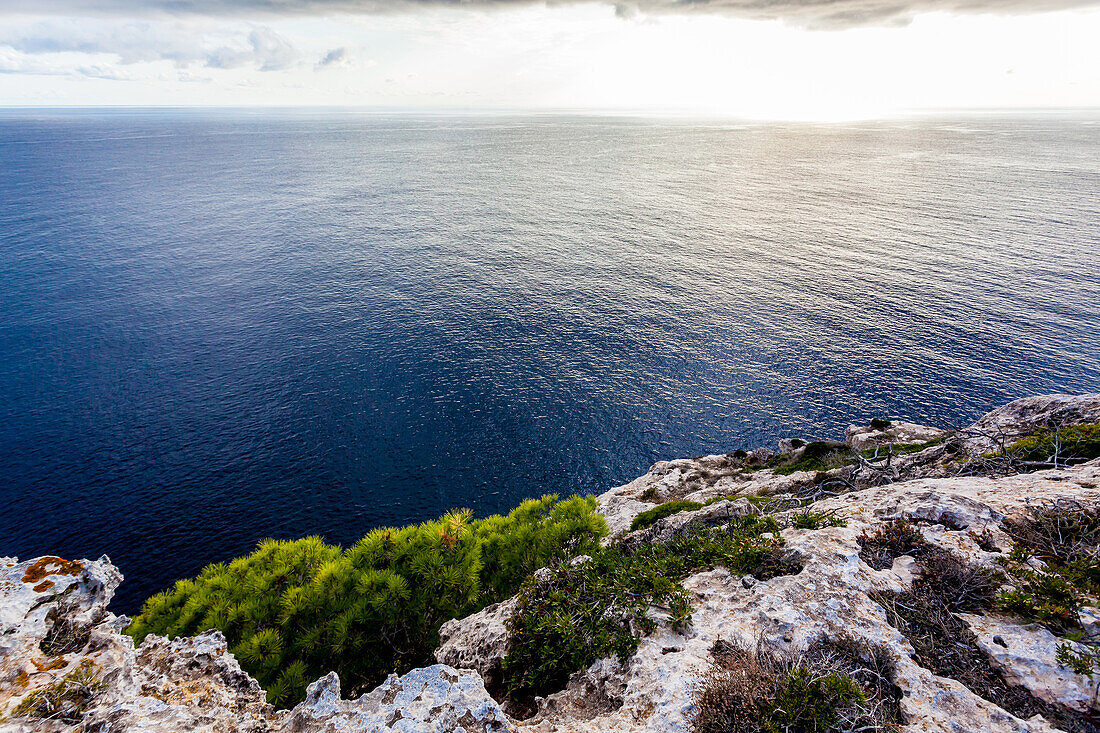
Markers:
point(223, 326)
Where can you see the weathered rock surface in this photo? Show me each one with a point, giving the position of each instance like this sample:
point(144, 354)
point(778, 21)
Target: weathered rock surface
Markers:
point(54, 625)
point(436, 699)
point(56, 634)
point(1023, 417)
point(868, 437)
point(477, 642)
point(830, 597)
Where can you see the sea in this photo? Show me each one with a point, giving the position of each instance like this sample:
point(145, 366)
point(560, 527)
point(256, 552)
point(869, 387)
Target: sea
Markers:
point(218, 326)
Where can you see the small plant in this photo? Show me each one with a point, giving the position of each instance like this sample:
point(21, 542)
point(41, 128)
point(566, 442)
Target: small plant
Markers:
point(1044, 597)
point(815, 520)
point(819, 455)
point(892, 540)
point(650, 516)
point(650, 494)
point(944, 644)
point(64, 700)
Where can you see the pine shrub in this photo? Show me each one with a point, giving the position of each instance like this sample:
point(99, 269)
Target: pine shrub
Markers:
point(294, 610)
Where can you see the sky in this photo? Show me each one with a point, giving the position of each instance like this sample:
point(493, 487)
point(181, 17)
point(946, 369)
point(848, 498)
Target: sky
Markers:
point(772, 59)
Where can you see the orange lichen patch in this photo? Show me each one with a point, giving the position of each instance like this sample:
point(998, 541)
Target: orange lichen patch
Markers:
point(44, 585)
point(55, 664)
point(51, 566)
point(22, 679)
point(190, 692)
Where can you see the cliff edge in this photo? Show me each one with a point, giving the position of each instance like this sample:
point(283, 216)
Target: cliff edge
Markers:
point(908, 578)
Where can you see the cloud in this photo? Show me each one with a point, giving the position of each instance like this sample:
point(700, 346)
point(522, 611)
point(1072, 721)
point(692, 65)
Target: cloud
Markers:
point(335, 57)
point(809, 13)
point(257, 47)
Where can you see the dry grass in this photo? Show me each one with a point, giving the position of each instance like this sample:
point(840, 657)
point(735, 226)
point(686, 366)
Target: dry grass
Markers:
point(840, 685)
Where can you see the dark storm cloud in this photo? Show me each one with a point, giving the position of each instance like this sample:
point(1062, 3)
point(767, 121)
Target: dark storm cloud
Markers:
point(811, 13)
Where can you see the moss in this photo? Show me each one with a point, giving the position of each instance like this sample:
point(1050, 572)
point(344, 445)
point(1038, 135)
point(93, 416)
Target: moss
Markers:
point(1076, 443)
point(59, 663)
point(650, 516)
point(581, 613)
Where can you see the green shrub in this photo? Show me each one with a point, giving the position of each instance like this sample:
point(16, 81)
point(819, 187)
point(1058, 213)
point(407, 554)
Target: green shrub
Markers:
point(586, 611)
point(1074, 443)
point(893, 539)
point(824, 689)
point(807, 703)
point(815, 520)
point(818, 455)
point(1065, 536)
point(292, 611)
point(650, 516)
point(1044, 597)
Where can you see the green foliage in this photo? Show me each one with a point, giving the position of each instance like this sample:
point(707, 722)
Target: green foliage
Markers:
point(808, 703)
point(824, 689)
point(1086, 662)
point(819, 455)
point(1074, 443)
point(650, 516)
point(292, 611)
point(586, 611)
point(815, 520)
point(1065, 538)
point(1044, 597)
point(893, 539)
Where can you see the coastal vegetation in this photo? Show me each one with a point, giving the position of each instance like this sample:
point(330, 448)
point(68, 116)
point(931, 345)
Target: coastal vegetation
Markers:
point(584, 610)
point(294, 610)
point(837, 685)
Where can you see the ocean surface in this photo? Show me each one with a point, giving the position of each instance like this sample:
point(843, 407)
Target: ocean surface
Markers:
point(224, 326)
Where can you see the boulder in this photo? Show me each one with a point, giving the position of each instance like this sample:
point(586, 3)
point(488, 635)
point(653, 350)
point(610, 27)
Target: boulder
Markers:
point(892, 432)
point(436, 699)
point(1025, 416)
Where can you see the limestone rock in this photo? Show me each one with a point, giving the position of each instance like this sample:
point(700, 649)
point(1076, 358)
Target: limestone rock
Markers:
point(869, 437)
point(1027, 656)
point(479, 641)
point(1023, 417)
point(436, 699)
point(55, 629)
point(664, 529)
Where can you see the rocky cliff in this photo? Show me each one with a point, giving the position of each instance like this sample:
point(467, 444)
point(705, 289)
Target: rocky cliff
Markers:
point(900, 533)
